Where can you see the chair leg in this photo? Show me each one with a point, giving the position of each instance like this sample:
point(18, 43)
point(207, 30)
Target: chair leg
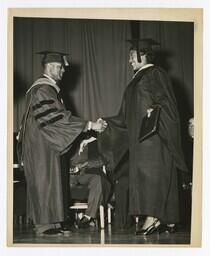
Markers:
point(101, 209)
point(76, 215)
point(102, 233)
point(137, 219)
point(109, 215)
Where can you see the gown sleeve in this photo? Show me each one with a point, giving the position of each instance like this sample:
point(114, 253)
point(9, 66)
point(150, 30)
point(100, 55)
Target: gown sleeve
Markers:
point(169, 126)
point(56, 124)
point(113, 142)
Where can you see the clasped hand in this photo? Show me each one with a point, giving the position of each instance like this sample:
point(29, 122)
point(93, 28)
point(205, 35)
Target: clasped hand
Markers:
point(99, 126)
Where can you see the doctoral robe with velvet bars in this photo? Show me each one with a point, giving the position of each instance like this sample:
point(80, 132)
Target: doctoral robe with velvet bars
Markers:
point(48, 130)
point(153, 163)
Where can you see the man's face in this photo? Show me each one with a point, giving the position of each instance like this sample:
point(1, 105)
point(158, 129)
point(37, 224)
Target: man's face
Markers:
point(133, 60)
point(56, 70)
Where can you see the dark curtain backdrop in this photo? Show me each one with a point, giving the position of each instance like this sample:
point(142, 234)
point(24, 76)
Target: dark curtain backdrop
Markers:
point(99, 71)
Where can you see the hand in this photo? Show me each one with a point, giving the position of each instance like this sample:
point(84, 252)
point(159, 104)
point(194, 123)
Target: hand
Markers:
point(99, 126)
point(149, 111)
point(18, 136)
point(191, 127)
point(84, 143)
point(76, 169)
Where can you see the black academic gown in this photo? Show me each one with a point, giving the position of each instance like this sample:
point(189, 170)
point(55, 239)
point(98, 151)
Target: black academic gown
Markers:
point(48, 131)
point(152, 163)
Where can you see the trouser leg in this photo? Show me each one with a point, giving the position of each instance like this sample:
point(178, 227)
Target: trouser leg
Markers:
point(95, 193)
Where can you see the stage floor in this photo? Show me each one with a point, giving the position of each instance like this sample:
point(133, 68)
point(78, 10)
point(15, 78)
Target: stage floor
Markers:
point(24, 234)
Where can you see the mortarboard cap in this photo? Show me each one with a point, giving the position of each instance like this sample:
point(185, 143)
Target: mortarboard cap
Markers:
point(52, 56)
point(142, 44)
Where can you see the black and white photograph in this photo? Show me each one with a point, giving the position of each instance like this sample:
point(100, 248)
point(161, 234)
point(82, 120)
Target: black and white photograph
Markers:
point(102, 135)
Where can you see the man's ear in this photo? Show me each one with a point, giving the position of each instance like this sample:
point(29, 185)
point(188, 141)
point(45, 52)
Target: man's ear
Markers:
point(143, 57)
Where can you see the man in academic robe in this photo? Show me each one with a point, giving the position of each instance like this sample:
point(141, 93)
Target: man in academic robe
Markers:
point(153, 163)
point(48, 131)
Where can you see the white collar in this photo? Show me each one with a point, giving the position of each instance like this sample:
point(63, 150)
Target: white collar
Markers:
point(53, 82)
point(145, 66)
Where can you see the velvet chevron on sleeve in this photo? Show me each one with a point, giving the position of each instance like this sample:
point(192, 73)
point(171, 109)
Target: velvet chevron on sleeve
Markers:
point(56, 124)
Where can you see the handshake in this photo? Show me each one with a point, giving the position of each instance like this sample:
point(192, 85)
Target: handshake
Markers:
point(98, 126)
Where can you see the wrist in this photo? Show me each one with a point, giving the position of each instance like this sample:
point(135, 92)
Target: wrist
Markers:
point(90, 124)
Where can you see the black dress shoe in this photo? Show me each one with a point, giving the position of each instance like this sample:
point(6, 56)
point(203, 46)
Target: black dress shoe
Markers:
point(150, 230)
point(51, 233)
point(84, 222)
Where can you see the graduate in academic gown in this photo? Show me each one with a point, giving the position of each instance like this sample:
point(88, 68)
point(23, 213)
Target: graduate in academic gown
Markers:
point(153, 163)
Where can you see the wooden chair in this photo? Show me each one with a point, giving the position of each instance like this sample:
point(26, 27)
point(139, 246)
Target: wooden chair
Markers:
point(79, 195)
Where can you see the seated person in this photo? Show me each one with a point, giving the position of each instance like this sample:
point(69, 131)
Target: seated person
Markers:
point(120, 188)
point(87, 169)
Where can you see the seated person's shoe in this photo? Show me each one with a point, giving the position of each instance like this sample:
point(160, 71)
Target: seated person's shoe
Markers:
point(153, 228)
point(51, 233)
point(163, 228)
point(84, 222)
point(171, 228)
point(65, 230)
